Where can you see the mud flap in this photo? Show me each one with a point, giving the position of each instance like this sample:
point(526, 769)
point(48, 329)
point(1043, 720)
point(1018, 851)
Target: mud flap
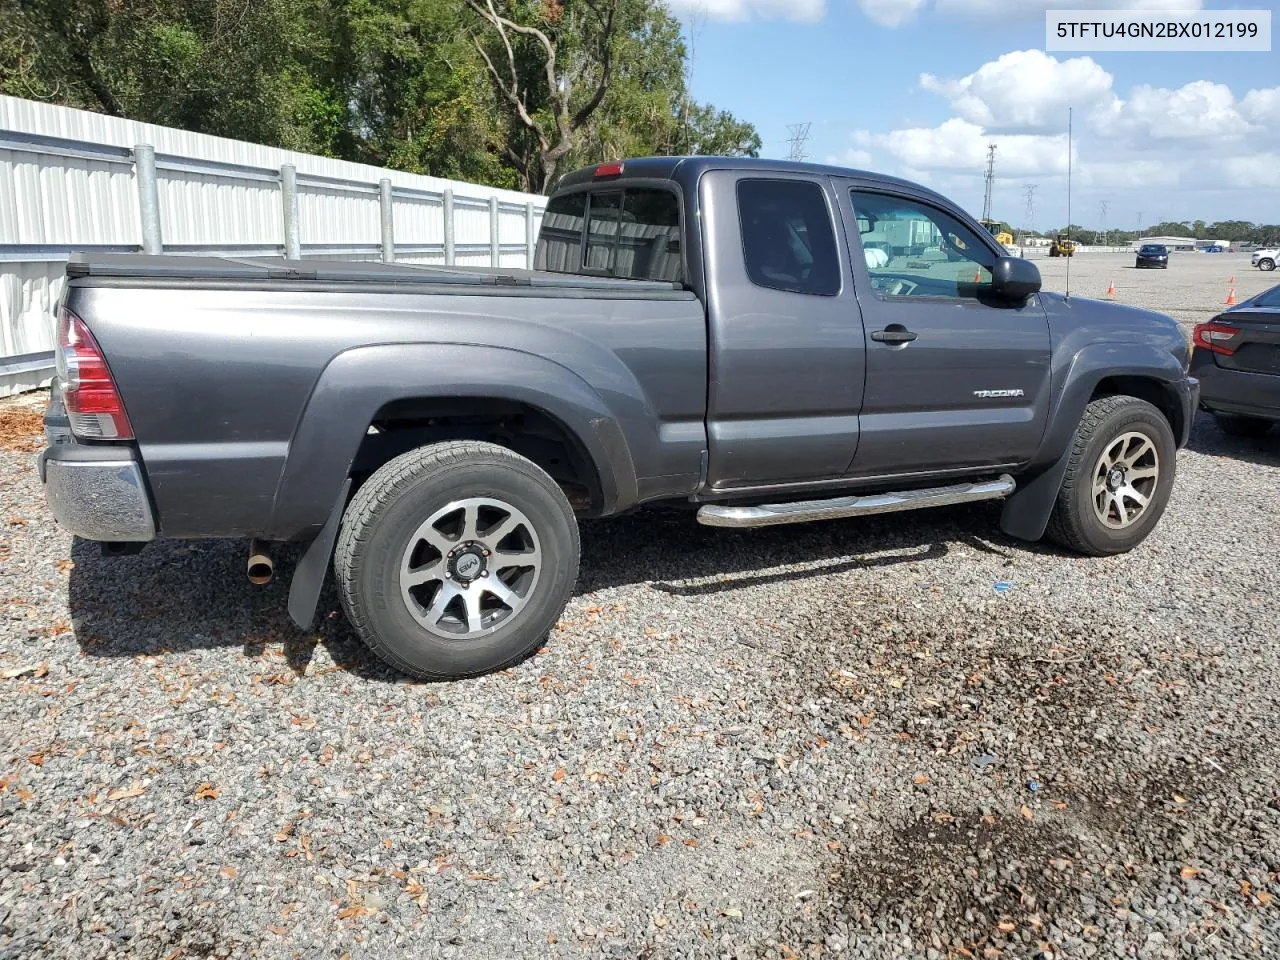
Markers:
point(1026, 513)
point(308, 575)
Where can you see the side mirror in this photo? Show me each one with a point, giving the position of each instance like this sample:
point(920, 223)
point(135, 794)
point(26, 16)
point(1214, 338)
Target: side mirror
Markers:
point(1013, 278)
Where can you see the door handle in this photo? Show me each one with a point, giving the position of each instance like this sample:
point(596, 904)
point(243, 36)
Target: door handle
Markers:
point(894, 333)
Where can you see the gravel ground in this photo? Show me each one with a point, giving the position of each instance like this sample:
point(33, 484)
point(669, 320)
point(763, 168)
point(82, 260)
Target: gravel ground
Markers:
point(1192, 290)
point(900, 736)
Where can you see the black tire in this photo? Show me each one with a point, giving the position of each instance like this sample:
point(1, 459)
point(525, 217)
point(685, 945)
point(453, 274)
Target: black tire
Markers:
point(397, 501)
point(1075, 523)
point(1266, 263)
point(1237, 425)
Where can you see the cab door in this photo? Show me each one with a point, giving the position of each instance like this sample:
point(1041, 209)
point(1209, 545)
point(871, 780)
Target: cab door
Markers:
point(956, 380)
point(785, 338)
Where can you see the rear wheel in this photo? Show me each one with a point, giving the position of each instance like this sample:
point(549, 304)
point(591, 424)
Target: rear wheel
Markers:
point(1236, 425)
point(1118, 480)
point(456, 559)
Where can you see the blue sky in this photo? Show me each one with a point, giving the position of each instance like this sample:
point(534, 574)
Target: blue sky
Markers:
point(918, 88)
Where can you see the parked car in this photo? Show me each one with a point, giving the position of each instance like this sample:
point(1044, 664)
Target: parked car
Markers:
point(1237, 360)
point(1266, 259)
point(704, 330)
point(1153, 255)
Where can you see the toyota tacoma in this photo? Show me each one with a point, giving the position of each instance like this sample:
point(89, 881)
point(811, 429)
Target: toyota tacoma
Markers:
point(771, 342)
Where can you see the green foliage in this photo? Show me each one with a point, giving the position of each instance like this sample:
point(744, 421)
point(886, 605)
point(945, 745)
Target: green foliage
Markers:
point(419, 85)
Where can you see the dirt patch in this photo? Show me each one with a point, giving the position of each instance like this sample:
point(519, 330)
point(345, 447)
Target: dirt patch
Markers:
point(962, 881)
point(21, 428)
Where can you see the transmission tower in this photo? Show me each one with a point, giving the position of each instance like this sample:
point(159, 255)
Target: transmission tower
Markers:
point(799, 136)
point(1102, 213)
point(991, 180)
point(1029, 191)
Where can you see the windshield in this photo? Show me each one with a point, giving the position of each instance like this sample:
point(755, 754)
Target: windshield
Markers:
point(1152, 248)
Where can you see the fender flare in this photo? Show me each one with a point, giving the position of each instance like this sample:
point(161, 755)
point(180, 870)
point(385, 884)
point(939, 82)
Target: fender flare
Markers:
point(1026, 512)
point(355, 384)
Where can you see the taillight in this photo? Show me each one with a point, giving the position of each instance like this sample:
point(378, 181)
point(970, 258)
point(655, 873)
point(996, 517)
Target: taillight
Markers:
point(93, 403)
point(609, 170)
point(1214, 337)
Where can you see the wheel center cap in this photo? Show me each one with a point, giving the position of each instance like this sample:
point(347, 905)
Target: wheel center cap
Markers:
point(468, 564)
point(1115, 479)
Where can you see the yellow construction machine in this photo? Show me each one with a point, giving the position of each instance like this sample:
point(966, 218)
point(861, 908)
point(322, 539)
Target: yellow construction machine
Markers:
point(1062, 247)
point(1003, 236)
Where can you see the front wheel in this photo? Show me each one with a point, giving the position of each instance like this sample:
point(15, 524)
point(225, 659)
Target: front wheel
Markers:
point(456, 559)
point(1266, 264)
point(1118, 480)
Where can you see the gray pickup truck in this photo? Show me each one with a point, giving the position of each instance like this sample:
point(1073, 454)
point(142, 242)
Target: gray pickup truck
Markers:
point(770, 342)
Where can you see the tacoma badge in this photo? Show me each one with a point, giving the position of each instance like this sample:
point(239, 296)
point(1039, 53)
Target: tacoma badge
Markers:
point(996, 394)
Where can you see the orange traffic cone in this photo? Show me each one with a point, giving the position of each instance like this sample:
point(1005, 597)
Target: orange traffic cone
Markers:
point(1231, 298)
point(977, 275)
point(1111, 290)
point(1233, 279)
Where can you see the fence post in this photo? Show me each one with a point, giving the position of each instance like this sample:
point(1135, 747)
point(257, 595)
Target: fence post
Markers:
point(144, 161)
point(495, 251)
point(289, 197)
point(449, 257)
point(388, 221)
point(530, 238)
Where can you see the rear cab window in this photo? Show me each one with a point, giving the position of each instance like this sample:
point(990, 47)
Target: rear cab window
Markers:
point(626, 232)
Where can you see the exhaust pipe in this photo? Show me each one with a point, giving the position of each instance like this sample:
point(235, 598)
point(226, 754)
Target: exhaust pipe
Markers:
point(260, 567)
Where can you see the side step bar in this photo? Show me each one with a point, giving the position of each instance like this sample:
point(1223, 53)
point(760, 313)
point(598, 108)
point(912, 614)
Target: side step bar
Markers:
point(803, 511)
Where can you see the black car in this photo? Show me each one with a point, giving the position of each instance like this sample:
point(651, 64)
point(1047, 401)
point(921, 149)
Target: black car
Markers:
point(1237, 360)
point(1153, 255)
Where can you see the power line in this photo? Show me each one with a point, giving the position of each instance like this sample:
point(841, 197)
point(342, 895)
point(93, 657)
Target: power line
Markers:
point(1029, 191)
point(991, 180)
point(799, 136)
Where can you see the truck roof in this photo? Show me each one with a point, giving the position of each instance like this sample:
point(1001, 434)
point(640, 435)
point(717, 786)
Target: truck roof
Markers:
point(689, 169)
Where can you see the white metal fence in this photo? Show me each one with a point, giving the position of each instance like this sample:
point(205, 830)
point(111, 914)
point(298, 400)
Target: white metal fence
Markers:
point(71, 180)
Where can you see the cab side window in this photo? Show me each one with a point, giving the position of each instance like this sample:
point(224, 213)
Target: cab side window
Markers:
point(914, 250)
point(788, 242)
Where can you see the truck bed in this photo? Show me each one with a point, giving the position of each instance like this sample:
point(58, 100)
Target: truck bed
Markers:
point(419, 277)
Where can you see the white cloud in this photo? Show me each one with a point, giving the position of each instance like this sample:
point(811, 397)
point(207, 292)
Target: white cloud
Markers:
point(960, 145)
point(860, 159)
point(1035, 8)
point(806, 11)
point(896, 13)
point(1030, 91)
point(1026, 90)
point(1254, 171)
point(1201, 110)
point(1129, 174)
point(1262, 106)
point(891, 13)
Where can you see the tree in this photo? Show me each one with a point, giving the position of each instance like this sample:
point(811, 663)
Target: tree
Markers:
point(257, 71)
point(551, 65)
point(505, 92)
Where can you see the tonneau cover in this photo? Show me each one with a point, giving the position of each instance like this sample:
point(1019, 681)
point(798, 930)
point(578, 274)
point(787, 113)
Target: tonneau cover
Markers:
point(338, 271)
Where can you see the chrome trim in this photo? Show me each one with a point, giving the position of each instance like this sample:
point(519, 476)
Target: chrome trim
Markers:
point(771, 514)
point(103, 500)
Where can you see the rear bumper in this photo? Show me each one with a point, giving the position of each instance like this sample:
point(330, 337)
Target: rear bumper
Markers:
point(94, 491)
point(1236, 391)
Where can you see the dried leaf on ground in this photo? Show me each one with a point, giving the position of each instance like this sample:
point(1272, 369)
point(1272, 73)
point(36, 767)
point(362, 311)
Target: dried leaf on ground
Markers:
point(124, 793)
point(21, 429)
point(37, 670)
